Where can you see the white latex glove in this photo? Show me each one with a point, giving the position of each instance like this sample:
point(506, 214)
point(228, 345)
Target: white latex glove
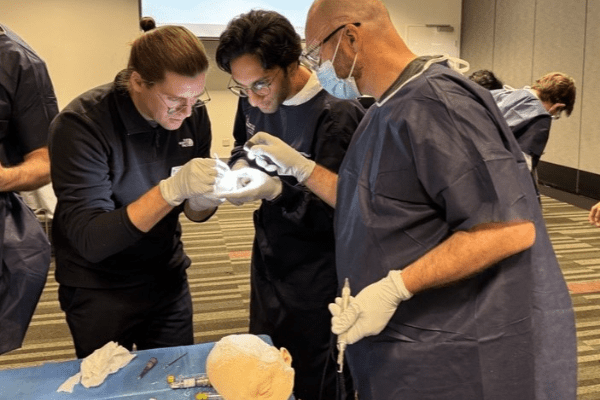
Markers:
point(196, 177)
point(239, 164)
point(273, 154)
point(371, 310)
point(200, 203)
point(252, 184)
point(227, 181)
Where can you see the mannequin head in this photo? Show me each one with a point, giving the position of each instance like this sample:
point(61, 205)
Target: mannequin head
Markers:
point(244, 367)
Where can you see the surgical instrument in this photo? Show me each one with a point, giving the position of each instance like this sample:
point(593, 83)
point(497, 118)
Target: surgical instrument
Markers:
point(341, 342)
point(200, 380)
point(208, 396)
point(175, 360)
point(149, 365)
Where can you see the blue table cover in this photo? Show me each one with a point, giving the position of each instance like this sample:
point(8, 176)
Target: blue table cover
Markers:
point(41, 382)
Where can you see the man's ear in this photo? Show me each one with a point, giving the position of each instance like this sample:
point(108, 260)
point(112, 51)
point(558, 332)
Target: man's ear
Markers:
point(556, 107)
point(354, 36)
point(287, 357)
point(136, 81)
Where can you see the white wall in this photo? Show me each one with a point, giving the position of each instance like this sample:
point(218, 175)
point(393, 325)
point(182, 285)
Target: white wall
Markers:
point(84, 42)
point(413, 13)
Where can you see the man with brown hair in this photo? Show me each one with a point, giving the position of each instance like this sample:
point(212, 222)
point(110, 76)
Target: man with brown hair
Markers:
point(128, 158)
point(529, 111)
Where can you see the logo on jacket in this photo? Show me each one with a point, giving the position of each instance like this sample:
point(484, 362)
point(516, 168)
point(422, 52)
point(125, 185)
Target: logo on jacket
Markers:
point(186, 142)
point(250, 127)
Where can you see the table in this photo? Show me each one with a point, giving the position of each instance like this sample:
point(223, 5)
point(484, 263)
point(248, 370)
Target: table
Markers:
point(41, 382)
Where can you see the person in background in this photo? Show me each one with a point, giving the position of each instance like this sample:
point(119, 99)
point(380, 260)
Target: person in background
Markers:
point(27, 105)
point(127, 158)
point(457, 293)
point(487, 79)
point(594, 215)
point(293, 275)
point(529, 111)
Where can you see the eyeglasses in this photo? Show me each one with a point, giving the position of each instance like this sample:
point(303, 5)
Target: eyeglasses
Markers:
point(311, 56)
point(261, 87)
point(180, 103)
point(557, 114)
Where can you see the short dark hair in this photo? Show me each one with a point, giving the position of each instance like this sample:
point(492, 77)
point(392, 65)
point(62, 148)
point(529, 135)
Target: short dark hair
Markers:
point(265, 34)
point(487, 79)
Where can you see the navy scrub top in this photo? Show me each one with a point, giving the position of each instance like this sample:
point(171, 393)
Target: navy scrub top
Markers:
point(104, 156)
point(430, 159)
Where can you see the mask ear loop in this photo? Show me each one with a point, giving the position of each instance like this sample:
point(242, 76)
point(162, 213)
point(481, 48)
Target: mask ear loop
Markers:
point(336, 49)
point(335, 54)
point(353, 64)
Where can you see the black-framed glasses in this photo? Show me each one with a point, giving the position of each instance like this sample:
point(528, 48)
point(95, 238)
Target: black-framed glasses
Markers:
point(261, 88)
point(557, 114)
point(179, 104)
point(311, 55)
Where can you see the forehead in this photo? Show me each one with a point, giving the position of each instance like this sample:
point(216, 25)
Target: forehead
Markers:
point(317, 28)
point(247, 69)
point(182, 86)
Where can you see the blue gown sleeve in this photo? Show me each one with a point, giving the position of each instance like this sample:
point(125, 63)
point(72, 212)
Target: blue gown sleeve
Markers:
point(35, 105)
point(27, 102)
point(533, 137)
point(464, 158)
point(338, 122)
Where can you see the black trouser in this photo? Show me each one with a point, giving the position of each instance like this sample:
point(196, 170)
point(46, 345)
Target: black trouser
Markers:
point(149, 316)
point(306, 334)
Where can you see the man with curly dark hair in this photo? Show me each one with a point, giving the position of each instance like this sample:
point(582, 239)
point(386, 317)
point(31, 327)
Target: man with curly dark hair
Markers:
point(293, 274)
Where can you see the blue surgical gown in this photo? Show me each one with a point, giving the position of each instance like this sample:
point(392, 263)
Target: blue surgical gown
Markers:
point(527, 118)
point(430, 159)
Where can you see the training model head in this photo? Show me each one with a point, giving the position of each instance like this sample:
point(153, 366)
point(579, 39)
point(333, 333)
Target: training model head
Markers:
point(244, 367)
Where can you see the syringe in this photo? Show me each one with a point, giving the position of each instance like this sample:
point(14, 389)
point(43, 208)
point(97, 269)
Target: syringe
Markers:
point(341, 342)
point(189, 382)
point(208, 396)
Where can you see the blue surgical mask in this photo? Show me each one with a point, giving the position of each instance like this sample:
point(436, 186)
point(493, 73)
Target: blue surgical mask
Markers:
point(338, 87)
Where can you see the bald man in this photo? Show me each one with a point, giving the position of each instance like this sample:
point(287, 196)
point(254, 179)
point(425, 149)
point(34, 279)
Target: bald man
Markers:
point(458, 292)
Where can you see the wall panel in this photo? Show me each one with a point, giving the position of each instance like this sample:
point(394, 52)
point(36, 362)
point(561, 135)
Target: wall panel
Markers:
point(588, 90)
point(559, 46)
point(477, 42)
point(513, 41)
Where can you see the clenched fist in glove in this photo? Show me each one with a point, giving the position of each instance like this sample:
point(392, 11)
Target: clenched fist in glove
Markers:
point(251, 184)
point(273, 154)
point(201, 203)
point(370, 310)
point(196, 177)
